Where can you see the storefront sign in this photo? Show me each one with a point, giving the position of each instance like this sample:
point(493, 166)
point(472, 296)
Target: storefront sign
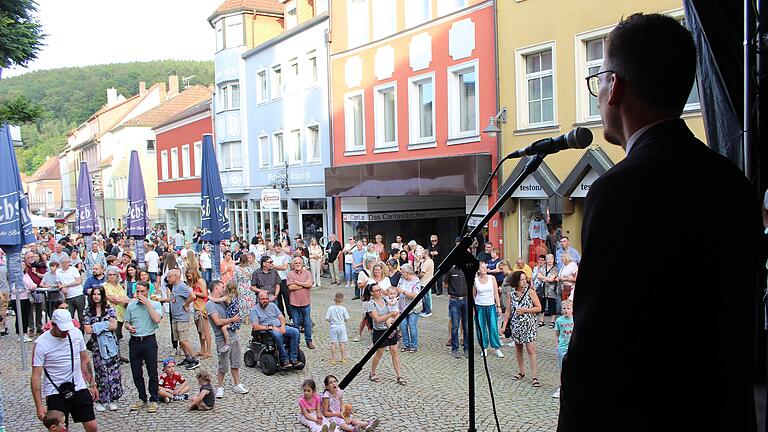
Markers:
point(530, 188)
point(403, 215)
point(270, 199)
point(583, 187)
point(96, 184)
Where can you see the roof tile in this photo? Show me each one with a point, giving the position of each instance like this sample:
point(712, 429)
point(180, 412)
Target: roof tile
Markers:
point(272, 6)
point(161, 113)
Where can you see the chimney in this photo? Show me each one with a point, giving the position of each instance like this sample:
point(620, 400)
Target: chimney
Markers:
point(142, 88)
point(173, 86)
point(111, 96)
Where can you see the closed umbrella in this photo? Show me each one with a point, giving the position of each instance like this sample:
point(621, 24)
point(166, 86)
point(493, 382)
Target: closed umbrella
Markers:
point(87, 221)
point(215, 224)
point(15, 224)
point(136, 219)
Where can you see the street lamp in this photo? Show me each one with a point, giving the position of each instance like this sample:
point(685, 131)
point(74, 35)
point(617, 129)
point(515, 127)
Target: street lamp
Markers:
point(499, 119)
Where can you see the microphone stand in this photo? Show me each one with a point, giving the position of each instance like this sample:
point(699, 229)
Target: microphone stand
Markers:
point(463, 259)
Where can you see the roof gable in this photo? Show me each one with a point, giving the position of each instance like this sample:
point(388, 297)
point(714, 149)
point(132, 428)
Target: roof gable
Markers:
point(264, 6)
point(593, 159)
point(191, 96)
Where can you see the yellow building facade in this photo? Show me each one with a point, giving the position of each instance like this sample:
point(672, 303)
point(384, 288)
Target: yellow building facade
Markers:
point(546, 49)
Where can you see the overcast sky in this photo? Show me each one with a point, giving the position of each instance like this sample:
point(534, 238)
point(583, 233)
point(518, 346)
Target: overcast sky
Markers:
point(89, 32)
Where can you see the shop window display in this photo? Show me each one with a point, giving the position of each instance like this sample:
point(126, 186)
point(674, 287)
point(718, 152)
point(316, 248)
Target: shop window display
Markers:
point(538, 229)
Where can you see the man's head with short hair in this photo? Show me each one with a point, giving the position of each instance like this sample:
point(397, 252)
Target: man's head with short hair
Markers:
point(652, 58)
point(565, 242)
point(263, 299)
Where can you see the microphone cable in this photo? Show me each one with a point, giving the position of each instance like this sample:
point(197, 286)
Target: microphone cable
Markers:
point(485, 365)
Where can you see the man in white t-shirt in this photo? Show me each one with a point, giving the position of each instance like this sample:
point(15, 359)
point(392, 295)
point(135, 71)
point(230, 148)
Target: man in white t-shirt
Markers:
point(61, 372)
point(153, 262)
point(71, 285)
point(282, 263)
point(347, 251)
point(178, 240)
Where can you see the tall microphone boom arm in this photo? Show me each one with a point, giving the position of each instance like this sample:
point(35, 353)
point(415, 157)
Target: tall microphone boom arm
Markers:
point(460, 257)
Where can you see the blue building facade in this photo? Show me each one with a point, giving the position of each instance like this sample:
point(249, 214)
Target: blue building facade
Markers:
point(285, 131)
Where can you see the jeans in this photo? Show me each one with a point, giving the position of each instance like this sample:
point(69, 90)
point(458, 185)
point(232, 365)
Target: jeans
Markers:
point(300, 317)
point(348, 271)
point(292, 337)
point(426, 303)
point(144, 350)
point(152, 276)
point(207, 276)
point(355, 273)
point(487, 326)
point(410, 330)
point(457, 310)
point(77, 304)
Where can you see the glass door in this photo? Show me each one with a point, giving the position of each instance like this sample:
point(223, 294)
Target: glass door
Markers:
point(313, 225)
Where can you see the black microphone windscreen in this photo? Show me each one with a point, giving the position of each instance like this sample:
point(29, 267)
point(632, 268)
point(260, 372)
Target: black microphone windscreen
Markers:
point(579, 138)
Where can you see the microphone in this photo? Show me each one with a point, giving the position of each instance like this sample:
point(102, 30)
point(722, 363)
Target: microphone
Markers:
point(578, 138)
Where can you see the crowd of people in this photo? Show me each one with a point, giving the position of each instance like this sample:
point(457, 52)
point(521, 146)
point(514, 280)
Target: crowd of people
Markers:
point(95, 296)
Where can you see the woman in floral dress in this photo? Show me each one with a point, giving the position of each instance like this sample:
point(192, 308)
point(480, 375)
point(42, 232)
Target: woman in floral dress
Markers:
point(108, 377)
point(242, 277)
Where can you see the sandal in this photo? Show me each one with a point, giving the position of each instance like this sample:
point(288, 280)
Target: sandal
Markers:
point(374, 378)
point(401, 381)
point(535, 382)
point(518, 376)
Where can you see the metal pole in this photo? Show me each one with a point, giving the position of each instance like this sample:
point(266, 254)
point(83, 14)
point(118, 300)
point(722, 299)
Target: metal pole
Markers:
point(749, 94)
point(19, 326)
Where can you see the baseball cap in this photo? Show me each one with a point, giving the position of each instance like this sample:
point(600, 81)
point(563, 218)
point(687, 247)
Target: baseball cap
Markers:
point(63, 319)
point(168, 361)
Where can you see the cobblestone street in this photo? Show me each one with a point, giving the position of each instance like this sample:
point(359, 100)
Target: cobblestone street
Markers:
point(435, 397)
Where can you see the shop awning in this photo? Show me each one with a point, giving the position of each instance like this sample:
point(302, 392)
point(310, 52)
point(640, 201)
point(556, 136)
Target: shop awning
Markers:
point(594, 163)
point(457, 175)
point(542, 184)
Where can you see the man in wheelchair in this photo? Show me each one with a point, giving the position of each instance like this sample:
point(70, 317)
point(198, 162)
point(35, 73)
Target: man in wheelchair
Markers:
point(266, 316)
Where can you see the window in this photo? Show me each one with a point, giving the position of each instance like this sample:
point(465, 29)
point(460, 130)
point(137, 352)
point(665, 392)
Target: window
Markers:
point(358, 22)
point(418, 12)
point(233, 32)
point(692, 103)
point(462, 101)
point(277, 81)
point(229, 96)
point(198, 157)
point(220, 35)
point(590, 50)
point(353, 122)
point(264, 151)
point(292, 80)
point(421, 97)
point(174, 163)
point(261, 86)
point(151, 146)
point(291, 19)
point(313, 142)
point(231, 155)
point(386, 115)
point(594, 59)
point(447, 6)
point(294, 149)
point(49, 198)
point(279, 148)
point(312, 67)
point(536, 86)
point(164, 165)
point(321, 6)
point(185, 161)
point(385, 22)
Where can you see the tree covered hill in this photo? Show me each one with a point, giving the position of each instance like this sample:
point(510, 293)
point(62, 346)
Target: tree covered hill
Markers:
point(68, 96)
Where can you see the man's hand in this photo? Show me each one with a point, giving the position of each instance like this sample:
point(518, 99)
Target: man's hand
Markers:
point(131, 329)
point(235, 319)
point(94, 393)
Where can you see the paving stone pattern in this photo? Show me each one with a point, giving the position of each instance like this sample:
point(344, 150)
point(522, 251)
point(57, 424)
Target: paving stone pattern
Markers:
point(435, 397)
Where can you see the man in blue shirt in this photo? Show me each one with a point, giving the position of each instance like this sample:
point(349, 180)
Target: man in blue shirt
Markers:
point(565, 246)
point(266, 316)
point(98, 279)
point(142, 318)
point(358, 255)
point(181, 297)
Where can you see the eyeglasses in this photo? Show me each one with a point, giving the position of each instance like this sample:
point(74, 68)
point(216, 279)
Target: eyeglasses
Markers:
point(593, 82)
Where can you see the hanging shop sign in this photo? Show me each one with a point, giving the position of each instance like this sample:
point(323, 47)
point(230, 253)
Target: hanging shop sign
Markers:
point(270, 199)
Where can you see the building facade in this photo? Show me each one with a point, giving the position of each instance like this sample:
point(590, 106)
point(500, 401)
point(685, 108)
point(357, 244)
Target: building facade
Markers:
point(288, 136)
point(544, 57)
point(179, 151)
point(413, 84)
point(239, 25)
point(44, 188)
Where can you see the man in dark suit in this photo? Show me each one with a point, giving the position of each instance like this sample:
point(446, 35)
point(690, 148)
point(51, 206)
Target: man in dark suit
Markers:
point(661, 347)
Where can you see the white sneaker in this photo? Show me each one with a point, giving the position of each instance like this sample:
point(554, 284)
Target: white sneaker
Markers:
point(27, 338)
point(112, 406)
point(425, 315)
point(220, 392)
point(499, 354)
point(485, 352)
point(240, 389)
point(99, 407)
point(556, 394)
